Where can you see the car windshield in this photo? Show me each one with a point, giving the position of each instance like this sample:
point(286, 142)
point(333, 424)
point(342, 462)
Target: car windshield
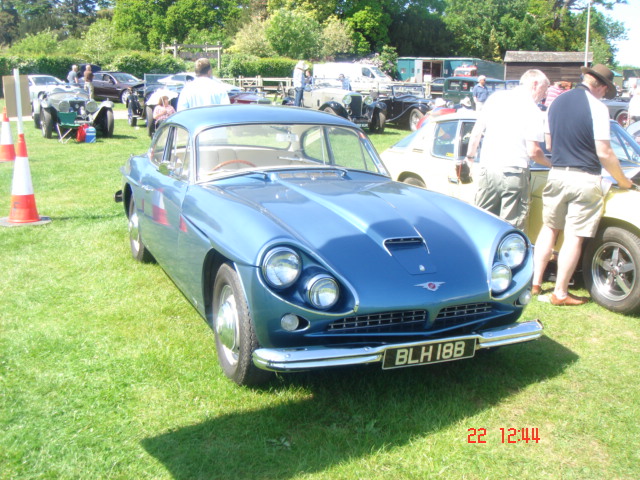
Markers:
point(125, 77)
point(46, 81)
point(625, 147)
point(75, 94)
point(237, 149)
point(416, 90)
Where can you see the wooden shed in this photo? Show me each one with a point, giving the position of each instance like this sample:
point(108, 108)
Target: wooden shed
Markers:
point(558, 66)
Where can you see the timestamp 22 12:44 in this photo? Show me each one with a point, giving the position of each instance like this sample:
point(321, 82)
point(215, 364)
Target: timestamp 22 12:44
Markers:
point(508, 435)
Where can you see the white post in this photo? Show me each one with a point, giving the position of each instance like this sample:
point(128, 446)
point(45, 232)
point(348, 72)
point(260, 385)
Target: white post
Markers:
point(586, 44)
point(16, 78)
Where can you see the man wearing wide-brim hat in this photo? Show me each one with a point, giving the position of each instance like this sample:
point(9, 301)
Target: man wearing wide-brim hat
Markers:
point(578, 134)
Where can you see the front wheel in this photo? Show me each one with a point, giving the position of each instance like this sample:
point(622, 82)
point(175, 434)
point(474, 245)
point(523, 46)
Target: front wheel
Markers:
point(107, 125)
point(235, 337)
point(414, 118)
point(124, 96)
point(131, 117)
point(46, 123)
point(378, 122)
point(610, 269)
point(138, 249)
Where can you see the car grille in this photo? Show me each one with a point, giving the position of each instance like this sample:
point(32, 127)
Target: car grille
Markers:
point(355, 107)
point(76, 106)
point(411, 320)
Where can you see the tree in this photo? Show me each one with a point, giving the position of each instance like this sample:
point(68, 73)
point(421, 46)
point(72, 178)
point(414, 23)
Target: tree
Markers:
point(336, 39)
point(8, 24)
point(252, 39)
point(294, 34)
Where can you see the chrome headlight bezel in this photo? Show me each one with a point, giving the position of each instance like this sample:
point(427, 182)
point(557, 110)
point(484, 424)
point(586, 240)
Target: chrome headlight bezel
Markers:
point(323, 291)
point(368, 100)
point(347, 99)
point(64, 106)
point(91, 106)
point(281, 267)
point(500, 278)
point(512, 250)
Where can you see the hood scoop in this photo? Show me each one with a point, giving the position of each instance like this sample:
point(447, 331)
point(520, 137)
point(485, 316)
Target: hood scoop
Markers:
point(412, 253)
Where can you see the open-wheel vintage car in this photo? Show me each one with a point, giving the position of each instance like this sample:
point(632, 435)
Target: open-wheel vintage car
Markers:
point(63, 111)
point(327, 95)
point(406, 105)
point(283, 229)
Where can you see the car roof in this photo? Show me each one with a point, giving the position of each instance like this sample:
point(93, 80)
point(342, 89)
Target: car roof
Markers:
point(194, 118)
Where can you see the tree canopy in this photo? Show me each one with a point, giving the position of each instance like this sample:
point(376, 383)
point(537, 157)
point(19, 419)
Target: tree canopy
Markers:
point(324, 30)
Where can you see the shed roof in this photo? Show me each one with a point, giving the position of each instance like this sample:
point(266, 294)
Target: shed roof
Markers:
point(547, 57)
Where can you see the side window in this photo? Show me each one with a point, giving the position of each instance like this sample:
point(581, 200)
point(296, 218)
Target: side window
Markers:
point(466, 86)
point(465, 135)
point(314, 146)
point(366, 72)
point(156, 152)
point(180, 159)
point(443, 140)
point(348, 150)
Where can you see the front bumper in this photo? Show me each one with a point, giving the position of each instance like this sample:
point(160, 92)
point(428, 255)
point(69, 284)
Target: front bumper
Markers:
point(307, 358)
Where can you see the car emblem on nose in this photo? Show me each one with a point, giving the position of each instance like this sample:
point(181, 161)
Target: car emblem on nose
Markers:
point(433, 286)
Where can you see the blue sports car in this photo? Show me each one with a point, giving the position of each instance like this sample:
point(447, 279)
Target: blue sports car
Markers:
point(283, 229)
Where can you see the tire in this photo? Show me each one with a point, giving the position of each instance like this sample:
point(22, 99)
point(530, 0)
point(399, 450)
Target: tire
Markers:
point(151, 125)
point(378, 122)
point(36, 120)
point(107, 124)
point(131, 118)
point(416, 182)
point(124, 96)
point(415, 116)
point(46, 123)
point(622, 118)
point(138, 249)
point(235, 337)
point(610, 267)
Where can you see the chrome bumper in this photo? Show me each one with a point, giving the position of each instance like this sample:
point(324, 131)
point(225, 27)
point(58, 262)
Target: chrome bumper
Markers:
point(308, 358)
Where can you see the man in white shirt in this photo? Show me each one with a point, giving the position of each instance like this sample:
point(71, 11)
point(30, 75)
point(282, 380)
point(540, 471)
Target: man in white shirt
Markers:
point(203, 90)
point(512, 126)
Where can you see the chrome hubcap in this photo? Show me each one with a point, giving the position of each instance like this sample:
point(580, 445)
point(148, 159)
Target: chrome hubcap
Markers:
point(227, 325)
point(134, 233)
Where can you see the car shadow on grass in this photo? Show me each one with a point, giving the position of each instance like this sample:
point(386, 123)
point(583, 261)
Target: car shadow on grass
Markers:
point(352, 413)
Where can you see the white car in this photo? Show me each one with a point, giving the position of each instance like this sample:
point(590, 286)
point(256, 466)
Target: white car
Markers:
point(41, 84)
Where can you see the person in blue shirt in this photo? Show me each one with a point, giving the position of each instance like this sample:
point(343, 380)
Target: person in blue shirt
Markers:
point(480, 92)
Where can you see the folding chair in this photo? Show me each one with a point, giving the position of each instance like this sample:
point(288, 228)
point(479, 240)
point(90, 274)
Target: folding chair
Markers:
point(67, 125)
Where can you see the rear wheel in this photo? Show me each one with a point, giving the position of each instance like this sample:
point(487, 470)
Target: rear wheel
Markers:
point(235, 337)
point(46, 123)
point(610, 267)
point(151, 124)
point(124, 96)
point(138, 250)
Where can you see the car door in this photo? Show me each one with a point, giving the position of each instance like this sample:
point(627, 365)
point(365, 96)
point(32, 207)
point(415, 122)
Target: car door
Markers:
point(99, 85)
point(164, 188)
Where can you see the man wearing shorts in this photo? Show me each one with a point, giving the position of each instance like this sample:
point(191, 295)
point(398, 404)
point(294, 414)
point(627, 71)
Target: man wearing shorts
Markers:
point(578, 134)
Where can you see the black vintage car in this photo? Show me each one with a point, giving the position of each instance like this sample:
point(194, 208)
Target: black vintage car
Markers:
point(406, 105)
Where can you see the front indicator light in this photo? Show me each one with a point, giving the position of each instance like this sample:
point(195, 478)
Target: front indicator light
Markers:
point(323, 291)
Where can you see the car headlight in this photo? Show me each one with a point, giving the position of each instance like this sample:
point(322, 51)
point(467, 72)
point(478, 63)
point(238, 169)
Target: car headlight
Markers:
point(64, 106)
point(347, 99)
point(368, 100)
point(323, 291)
point(512, 250)
point(281, 267)
point(92, 107)
point(500, 278)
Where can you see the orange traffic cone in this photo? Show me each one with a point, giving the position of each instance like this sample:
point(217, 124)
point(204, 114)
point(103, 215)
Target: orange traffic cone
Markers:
point(7, 152)
point(23, 201)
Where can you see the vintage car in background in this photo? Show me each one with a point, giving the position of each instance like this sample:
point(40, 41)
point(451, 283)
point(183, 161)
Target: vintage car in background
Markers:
point(610, 264)
point(146, 96)
point(283, 229)
point(39, 85)
point(114, 86)
point(436, 87)
point(63, 111)
point(406, 105)
point(327, 95)
point(618, 109)
point(457, 88)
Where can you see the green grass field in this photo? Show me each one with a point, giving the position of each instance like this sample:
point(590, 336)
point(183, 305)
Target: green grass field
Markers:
point(107, 372)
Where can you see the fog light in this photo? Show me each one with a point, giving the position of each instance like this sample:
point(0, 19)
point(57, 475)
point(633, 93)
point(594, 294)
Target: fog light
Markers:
point(500, 278)
point(290, 322)
point(525, 297)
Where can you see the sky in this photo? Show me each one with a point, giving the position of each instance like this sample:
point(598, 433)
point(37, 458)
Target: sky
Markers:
point(629, 15)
